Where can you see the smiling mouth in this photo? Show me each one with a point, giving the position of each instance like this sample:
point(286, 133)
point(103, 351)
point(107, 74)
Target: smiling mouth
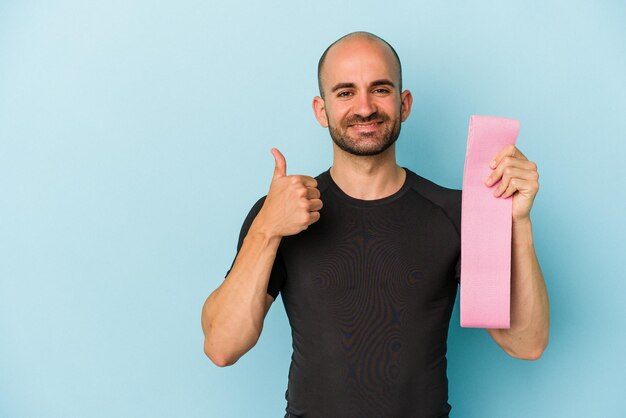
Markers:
point(365, 125)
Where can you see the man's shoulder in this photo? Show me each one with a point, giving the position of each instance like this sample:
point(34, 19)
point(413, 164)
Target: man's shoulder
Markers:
point(438, 194)
point(448, 199)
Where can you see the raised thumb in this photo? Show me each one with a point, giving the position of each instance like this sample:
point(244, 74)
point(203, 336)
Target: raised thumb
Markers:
point(280, 169)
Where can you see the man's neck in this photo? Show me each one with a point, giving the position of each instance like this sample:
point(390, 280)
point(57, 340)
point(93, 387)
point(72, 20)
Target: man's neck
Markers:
point(367, 178)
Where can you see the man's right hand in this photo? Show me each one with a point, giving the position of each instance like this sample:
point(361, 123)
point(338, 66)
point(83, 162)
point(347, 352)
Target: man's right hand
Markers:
point(292, 203)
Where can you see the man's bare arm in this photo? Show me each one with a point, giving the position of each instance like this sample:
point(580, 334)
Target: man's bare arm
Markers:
point(530, 312)
point(233, 315)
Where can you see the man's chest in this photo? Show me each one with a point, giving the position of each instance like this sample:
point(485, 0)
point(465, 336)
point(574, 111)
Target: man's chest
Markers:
point(405, 251)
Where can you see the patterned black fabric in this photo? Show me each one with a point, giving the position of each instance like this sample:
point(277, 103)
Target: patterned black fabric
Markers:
point(369, 290)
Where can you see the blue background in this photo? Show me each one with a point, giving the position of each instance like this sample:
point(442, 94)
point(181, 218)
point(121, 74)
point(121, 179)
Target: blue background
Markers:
point(135, 136)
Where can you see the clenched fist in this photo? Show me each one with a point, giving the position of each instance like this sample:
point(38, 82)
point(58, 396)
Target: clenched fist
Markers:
point(292, 204)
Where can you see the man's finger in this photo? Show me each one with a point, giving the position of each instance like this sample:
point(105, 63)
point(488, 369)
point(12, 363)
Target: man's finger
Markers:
point(517, 168)
point(312, 193)
point(508, 151)
point(308, 181)
point(315, 205)
point(314, 217)
point(280, 169)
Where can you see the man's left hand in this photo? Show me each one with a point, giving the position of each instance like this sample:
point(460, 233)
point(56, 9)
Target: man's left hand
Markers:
point(518, 178)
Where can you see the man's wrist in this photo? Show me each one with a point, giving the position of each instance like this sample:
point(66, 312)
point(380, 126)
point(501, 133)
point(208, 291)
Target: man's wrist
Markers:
point(524, 222)
point(260, 230)
point(522, 232)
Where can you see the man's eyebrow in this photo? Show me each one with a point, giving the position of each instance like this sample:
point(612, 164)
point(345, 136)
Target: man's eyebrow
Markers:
point(383, 82)
point(342, 86)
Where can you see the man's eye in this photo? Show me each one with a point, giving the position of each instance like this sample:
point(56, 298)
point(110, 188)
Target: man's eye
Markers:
point(381, 91)
point(344, 94)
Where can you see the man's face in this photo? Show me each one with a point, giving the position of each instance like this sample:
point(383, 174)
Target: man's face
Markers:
point(362, 104)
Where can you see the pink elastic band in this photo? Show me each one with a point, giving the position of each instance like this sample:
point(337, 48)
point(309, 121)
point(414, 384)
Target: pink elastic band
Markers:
point(485, 228)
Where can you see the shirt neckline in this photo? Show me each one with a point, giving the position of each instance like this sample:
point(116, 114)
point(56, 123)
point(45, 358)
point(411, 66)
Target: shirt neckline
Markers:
point(369, 203)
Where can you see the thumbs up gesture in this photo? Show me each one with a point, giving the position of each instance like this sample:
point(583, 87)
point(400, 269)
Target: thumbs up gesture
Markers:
point(292, 203)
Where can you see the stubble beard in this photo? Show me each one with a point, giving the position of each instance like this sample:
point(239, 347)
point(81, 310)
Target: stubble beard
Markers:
point(361, 145)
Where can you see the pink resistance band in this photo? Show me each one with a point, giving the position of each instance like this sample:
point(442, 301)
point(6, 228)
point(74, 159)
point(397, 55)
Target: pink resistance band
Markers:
point(485, 228)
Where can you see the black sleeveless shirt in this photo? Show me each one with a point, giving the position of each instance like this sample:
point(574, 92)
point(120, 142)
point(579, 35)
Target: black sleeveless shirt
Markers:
point(369, 291)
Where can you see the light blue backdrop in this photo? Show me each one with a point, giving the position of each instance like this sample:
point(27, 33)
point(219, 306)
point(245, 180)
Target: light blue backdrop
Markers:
point(135, 136)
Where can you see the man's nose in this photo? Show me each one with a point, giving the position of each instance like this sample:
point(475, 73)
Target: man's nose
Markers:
point(365, 106)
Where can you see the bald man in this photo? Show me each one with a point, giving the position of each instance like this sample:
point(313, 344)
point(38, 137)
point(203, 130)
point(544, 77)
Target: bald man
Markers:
point(366, 257)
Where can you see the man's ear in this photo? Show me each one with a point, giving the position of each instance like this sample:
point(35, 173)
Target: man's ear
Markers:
point(406, 102)
point(319, 108)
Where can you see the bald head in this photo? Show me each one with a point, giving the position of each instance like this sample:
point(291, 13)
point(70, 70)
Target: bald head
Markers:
point(353, 38)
